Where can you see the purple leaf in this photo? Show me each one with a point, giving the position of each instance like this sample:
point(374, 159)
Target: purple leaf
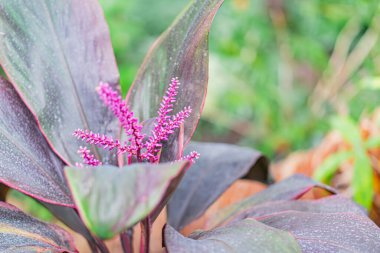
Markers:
point(71, 219)
point(331, 204)
point(333, 224)
point(172, 149)
point(111, 199)
point(244, 236)
point(328, 232)
point(22, 233)
point(26, 161)
point(289, 189)
point(217, 168)
point(55, 53)
point(181, 51)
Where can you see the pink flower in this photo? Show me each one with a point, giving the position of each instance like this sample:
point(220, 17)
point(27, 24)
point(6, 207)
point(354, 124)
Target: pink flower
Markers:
point(88, 159)
point(194, 155)
point(147, 151)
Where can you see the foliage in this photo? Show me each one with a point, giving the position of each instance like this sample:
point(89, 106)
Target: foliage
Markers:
point(347, 159)
point(362, 181)
point(277, 52)
point(54, 56)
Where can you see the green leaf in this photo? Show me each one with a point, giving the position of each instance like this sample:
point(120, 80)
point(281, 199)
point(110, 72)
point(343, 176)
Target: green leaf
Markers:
point(111, 199)
point(349, 130)
point(371, 83)
point(363, 182)
point(326, 170)
point(373, 142)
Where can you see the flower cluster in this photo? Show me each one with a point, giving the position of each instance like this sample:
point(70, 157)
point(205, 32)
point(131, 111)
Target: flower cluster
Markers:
point(87, 157)
point(137, 146)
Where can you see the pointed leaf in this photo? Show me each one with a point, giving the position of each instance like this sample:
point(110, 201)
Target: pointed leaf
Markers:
point(363, 180)
point(289, 189)
point(111, 200)
point(182, 51)
point(217, 168)
point(26, 161)
point(22, 233)
point(328, 232)
point(55, 53)
point(247, 236)
point(330, 165)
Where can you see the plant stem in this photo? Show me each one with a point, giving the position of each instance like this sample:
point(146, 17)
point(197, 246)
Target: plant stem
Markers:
point(126, 239)
point(145, 235)
point(102, 247)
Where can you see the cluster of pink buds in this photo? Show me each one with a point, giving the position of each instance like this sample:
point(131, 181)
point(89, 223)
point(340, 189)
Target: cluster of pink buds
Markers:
point(137, 146)
point(87, 157)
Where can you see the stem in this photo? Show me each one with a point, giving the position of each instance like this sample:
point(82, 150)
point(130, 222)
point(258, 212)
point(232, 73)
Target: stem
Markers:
point(92, 245)
point(145, 235)
point(102, 247)
point(139, 155)
point(126, 239)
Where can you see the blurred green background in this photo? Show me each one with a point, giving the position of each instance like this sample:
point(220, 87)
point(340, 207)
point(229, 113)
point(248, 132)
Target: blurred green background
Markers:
point(278, 68)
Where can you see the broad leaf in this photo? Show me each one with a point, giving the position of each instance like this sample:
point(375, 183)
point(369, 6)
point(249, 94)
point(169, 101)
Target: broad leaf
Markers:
point(247, 236)
point(218, 167)
point(328, 232)
point(71, 219)
point(331, 204)
point(26, 161)
point(111, 200)
point(55, 53)
point(289, 189)
point(182, 51)
point(333, 224)
point(22, 233)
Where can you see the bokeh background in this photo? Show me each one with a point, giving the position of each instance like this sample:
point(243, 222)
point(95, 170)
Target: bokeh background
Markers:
point(279, 69)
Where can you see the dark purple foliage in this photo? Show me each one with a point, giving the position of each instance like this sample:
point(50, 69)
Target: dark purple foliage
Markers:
point(55, 54)
point(332, 224)
point(22, 233)
point(27, 163)
point(208, 178)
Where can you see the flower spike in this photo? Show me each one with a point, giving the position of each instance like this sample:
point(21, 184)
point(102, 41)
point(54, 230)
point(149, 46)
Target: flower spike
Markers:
point(191, 157)
point(88, 159)
point(120, 109)
point(165, 125)
point(136, 149)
